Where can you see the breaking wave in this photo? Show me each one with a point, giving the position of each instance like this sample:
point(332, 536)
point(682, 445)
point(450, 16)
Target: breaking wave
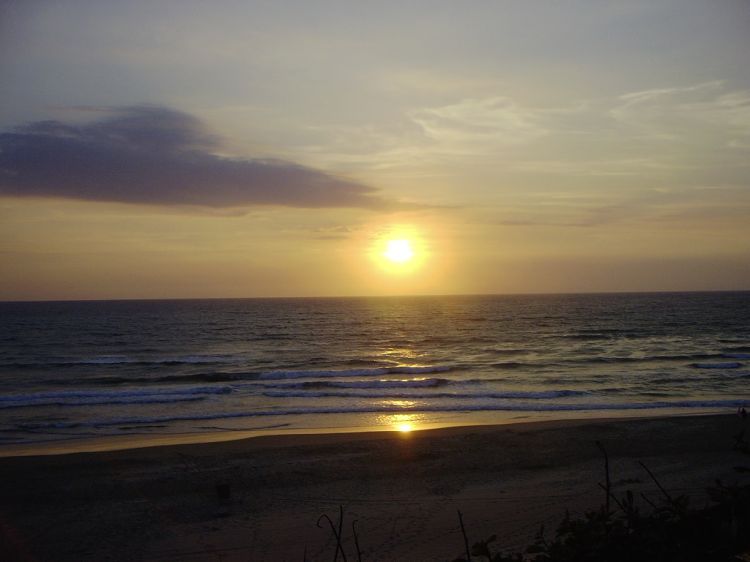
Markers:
point(392, 408)
point(380, 384)
point(376, 372)
point(97, 397)
point(516, 395)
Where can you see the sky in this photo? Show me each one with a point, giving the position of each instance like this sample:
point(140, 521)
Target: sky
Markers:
point(185, 149)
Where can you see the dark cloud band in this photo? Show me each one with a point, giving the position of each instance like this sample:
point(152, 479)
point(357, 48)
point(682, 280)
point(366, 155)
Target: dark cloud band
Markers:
point(159, 156)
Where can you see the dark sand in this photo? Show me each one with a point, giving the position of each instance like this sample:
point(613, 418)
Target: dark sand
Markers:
point(160, 503)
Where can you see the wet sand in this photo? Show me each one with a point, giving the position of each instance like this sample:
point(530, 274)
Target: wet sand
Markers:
point(164, 503)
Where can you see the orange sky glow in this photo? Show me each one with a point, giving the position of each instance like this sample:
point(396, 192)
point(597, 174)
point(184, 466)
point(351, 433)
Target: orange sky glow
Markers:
point(278, 151)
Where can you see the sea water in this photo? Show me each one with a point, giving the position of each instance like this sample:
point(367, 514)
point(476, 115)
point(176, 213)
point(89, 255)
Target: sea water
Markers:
point(82, 370)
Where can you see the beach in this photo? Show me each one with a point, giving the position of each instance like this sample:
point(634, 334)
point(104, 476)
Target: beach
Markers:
point(259, 499)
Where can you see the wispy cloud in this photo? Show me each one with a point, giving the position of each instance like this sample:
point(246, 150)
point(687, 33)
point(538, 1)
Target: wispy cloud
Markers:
point(697, 133)
point(159, 156)
point(493, 121)
point(705, 207)
point(696, 113)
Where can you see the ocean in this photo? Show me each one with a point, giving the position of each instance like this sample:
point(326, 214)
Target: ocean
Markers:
point(71, 371)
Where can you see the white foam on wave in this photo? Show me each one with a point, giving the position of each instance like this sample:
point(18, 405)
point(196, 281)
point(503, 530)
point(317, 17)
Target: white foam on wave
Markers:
point(392, 408)
point(374, 372)
point(509, 395)
point(409, 383)
point(129, 396)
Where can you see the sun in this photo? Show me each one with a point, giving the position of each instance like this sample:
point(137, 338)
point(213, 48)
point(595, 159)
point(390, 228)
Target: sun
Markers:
point(399, 251)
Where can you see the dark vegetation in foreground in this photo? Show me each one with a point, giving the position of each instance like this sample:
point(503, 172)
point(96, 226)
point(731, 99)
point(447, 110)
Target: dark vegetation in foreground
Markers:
point(622, 529)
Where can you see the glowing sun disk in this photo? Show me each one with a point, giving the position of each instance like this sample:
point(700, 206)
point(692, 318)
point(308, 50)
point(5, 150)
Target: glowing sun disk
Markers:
point(399, 251)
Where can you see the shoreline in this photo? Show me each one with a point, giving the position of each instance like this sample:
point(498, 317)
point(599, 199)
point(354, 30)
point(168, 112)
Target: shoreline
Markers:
point(160, 502)
point(142, 441)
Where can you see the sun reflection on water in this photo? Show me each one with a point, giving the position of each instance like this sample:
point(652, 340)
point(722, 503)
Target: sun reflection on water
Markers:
point(403, 423)
point(399, 403)
point(401, 353)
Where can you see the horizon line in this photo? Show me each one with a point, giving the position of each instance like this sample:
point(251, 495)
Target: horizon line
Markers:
point(405, 295)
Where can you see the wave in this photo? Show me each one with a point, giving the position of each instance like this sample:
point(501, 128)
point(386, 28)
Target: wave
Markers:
point(391, 408)
point(126, 360)
point(89, 397)
point(411, 383)
point(737, 355)
point(587, 337)
point(199, 377)
point(672, 379)
point(647, 358)
point(515, 365)
point(732, 365)
point(517, 395)
point(508, 351)
point(607, 334)
point(105, 401)
point(375, 372)
point(240, 376)
point(595, 360)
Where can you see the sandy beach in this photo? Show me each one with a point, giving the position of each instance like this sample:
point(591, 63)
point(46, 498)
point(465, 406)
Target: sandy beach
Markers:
point(403, 489)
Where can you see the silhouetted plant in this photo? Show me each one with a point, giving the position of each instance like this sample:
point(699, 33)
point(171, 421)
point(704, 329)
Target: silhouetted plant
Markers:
point(356, 540)
point(608, 486)
point(466, 539)
point(482, 548)
point(670, 532)
point(336, 533)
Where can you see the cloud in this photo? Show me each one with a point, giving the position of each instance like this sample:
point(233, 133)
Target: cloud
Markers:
point(702, 113)
point(683, 135)
point(716, 208)
point(159, 156)
point(493, 121)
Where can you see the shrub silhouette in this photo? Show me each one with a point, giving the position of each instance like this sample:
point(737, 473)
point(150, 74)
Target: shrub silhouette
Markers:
point(626, 528)
point(670, 532)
